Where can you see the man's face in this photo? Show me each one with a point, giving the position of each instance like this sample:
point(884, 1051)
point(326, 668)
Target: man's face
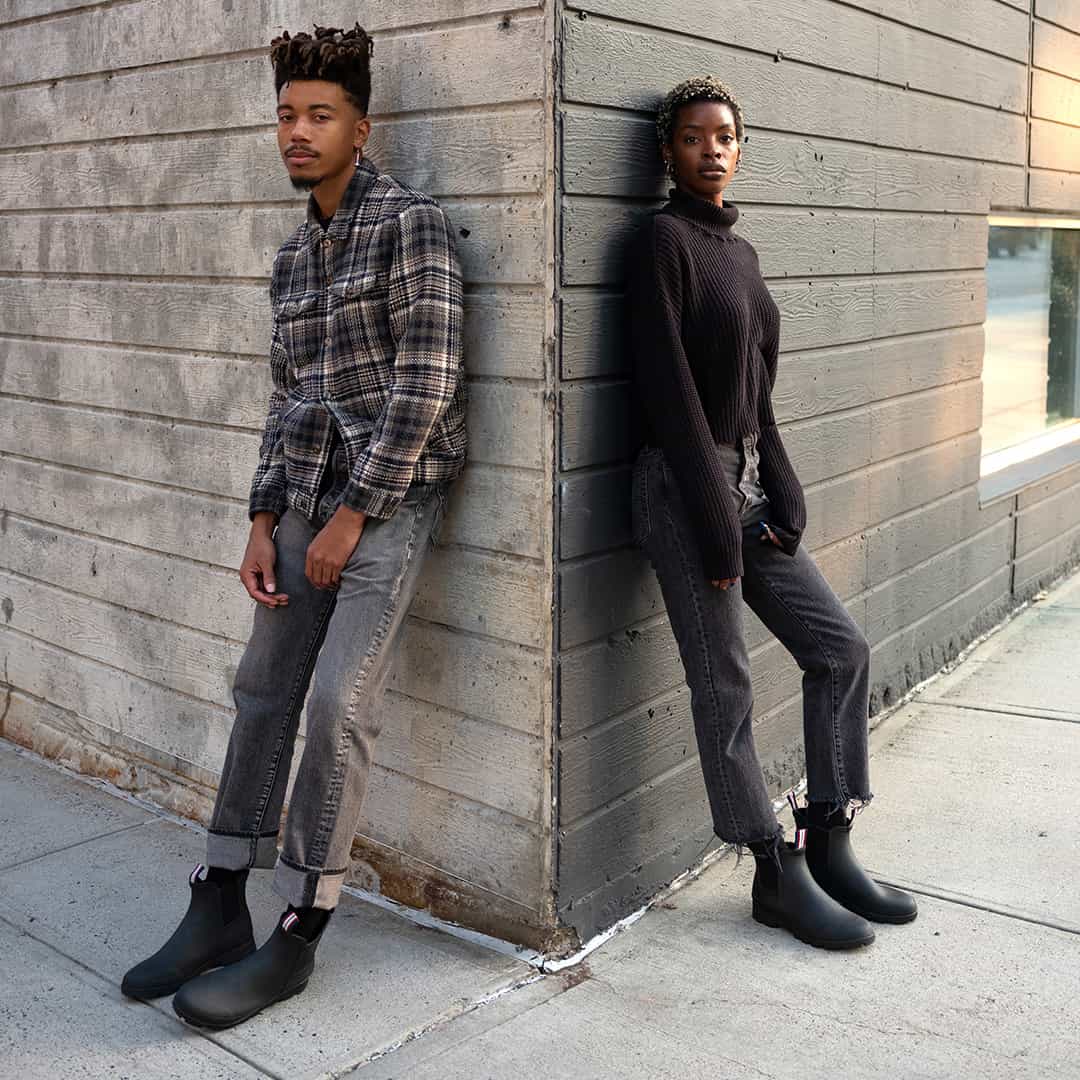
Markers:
point(318, 131)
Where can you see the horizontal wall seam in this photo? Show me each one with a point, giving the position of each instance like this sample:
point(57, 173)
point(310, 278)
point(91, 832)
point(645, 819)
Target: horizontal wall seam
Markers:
point(464, 22)
point(680, 36)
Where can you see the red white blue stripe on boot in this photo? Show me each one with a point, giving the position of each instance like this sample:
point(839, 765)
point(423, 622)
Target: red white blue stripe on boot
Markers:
point(800, 834)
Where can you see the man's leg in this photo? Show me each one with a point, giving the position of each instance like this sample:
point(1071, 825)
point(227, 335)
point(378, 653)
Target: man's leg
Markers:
point(269, 689)
point(343, 720)
point(344, 712)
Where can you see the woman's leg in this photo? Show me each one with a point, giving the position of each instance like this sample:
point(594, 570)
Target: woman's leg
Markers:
point(792, 598)
point(707, 624)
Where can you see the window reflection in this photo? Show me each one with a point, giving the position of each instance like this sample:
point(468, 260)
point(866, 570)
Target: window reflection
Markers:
point(1032, 357)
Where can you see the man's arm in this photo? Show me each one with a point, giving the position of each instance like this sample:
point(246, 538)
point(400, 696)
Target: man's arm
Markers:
point(426, 321)
point(268, 484)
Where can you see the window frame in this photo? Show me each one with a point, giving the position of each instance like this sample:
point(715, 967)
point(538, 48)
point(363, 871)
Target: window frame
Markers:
point(1061, 452)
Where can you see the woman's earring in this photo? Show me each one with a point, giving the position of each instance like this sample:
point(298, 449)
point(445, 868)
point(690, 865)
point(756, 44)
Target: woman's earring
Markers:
point(357, 161)
point(669, 167)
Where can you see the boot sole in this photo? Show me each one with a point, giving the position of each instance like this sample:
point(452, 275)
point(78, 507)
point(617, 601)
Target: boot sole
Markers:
point(892, 920)
point(213, 1025)
point(777, 922)
point(161, 989)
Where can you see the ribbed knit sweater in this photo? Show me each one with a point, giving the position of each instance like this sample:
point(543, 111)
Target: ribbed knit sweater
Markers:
point(704, 338)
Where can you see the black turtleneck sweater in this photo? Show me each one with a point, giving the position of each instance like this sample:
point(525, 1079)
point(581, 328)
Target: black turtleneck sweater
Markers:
point(704, 336)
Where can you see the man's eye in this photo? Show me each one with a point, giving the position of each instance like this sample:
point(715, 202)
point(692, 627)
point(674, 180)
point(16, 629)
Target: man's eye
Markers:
point(322, 116)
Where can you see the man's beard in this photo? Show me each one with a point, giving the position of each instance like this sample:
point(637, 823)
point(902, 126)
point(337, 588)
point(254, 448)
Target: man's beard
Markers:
point(304, 183)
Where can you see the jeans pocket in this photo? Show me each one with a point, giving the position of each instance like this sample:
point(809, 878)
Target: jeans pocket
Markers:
point(440, 512)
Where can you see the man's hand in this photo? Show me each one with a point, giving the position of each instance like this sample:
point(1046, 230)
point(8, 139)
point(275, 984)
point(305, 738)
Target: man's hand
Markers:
point(257, 568)
point(328, 553)
point(724, 583)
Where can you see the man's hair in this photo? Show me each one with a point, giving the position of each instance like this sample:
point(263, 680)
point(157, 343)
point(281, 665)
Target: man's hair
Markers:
point(344, 60)
point(704, 88)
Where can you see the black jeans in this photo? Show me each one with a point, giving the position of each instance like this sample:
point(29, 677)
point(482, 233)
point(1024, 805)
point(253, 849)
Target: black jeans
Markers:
point(792, 598)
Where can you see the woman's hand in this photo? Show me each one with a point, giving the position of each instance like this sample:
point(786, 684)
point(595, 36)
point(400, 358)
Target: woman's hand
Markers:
point(768, 534)
point(724, 583)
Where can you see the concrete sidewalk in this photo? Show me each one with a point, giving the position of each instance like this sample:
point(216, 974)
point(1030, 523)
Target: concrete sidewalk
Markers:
point(975, 782)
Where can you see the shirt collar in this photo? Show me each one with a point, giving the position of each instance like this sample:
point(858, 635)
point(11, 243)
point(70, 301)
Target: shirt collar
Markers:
point(721, 218)
point(355, 192)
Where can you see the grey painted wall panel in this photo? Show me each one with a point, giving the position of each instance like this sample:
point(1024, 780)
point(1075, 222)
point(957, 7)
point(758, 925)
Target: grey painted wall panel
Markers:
point(792, 97)
point(607, 153)
point(1056, 49)
point(856, 43)
point(1062, 12)
point(869, 217)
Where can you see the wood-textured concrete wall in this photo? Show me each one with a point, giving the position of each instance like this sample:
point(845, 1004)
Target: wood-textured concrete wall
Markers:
point(142, 199)
point(880, 135)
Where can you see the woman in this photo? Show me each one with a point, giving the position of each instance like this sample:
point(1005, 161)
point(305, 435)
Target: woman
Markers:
point(720, 513)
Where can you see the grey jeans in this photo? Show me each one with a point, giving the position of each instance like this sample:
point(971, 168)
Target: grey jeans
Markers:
point(342, 644)
point(792, 598)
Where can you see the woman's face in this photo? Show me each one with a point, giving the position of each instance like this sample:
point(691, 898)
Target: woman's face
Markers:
point(704, 149)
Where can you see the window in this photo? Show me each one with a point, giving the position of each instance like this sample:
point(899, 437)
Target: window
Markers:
point(1031, 364)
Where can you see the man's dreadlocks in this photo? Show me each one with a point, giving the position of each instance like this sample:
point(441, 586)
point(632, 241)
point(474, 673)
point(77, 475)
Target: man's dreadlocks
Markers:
point(343, 59)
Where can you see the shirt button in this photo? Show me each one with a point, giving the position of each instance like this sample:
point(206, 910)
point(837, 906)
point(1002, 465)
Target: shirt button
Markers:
point(327, 242)
point(326, 340)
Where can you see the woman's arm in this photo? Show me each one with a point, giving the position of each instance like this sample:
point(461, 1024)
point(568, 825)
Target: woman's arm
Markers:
point(778, 477)
point(669, 397)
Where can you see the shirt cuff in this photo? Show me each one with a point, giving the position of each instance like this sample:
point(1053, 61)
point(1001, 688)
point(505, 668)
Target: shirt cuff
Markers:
point(263, 501)
point(377, 504)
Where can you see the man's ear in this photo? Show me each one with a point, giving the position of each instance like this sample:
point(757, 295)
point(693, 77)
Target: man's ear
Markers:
point(363, 131)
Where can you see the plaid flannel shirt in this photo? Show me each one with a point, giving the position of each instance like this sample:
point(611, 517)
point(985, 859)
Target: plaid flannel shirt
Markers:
point(366, 340)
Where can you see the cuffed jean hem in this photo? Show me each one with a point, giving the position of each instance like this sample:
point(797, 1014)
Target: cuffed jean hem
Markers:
point(855, 802)
point(308, 888)
point(232, 852)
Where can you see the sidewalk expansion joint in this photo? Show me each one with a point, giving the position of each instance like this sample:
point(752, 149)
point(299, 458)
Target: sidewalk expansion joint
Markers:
point(978, 905)
point(1030, 712)
point(101, 977)
point(68, 847)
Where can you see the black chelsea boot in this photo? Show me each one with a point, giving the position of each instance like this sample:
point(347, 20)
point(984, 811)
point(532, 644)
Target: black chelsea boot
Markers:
point(832, 862)
point(215, 930)
point(277, 970)
point(784, 895)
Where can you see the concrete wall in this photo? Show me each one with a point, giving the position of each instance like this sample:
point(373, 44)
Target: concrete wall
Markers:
point(876, 148)
point(140, 208)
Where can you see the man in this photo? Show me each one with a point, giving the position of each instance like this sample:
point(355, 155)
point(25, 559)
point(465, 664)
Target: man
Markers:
point(365, 432)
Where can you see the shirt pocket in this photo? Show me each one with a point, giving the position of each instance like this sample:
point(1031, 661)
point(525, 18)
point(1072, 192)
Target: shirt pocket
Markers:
point(300, 326)
point(363, 374)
